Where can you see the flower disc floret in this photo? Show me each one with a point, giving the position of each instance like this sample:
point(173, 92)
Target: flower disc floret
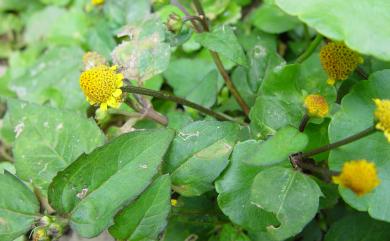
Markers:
point(316, 106)
point(382, 113)
point(101, 85)
point(360, 176)
point(339, 61)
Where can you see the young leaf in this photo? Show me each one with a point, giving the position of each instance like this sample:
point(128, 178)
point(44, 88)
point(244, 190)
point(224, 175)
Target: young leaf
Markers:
point(355, 115)
point(361, 25)
point(234, 190)
point(358, 227)
point(47, 140)
point(286, 141)
point(223, 41)
point(146, 54)
point(292, 196)
point(97, 185)
point(199, 153)
point(145, 218)
point(19, 207)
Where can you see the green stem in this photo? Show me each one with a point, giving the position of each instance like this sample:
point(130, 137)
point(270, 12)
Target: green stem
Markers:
point(179, 100)
point(337, 144)
point(309, 51)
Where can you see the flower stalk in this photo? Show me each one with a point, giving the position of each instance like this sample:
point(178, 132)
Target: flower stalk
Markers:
point(310, 50)
point(178, 100)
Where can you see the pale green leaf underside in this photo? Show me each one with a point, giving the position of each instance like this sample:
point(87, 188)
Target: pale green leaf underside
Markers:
point(362, 25)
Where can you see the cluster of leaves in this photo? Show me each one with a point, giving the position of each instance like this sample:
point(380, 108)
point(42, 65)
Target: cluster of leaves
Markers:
point(197, 178)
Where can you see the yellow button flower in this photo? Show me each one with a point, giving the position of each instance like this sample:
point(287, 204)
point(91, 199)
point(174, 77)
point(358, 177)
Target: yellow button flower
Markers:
point(97, 2)
point(360, 176)
point(339, 61)
point(316, 106)
point(382, 113)
point(173, 202)
point(101, 85)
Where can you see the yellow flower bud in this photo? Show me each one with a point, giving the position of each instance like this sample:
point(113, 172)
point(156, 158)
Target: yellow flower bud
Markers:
point(360, 176)
point(97, 2)
point(173, 202)
point(101, 85)
point(316, 106)
point(339, 61)
point(382, 113)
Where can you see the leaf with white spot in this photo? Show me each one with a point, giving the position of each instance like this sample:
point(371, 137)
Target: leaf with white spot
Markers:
point(96, 186)
point(47, 140)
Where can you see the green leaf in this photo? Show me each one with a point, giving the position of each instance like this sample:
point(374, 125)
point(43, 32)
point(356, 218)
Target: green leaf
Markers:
point(361, 25)
point(281, 96)
point(269, 18)
point(198, 83)
point(355, 115)
point(223, 41)
point(286, 141)
point(53, 79)
point(40, 22)
point(19, 207)
point(97, 185)
point(47, 140)
point(230, 233)
point(358, 227)
point(122, 12)
point(234, 190)
point(292, 196)
point(101, 40)
point(146, 54)
point(198, 155)
point(145, 218)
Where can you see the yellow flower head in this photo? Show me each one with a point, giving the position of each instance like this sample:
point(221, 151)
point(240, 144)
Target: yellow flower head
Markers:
point(338, 61)
point(316, 106)
point(360, 176)
point(97, 2)
point(173, 202)
point(93, 59)
point(382, 113)
point(101, 85)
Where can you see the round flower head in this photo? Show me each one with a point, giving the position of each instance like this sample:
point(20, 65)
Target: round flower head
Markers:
point(93, 59)
point(382, 113)
point(338, 61)
point(360, 176)
point(97, 2)
point(316, 106)
point(101, 85)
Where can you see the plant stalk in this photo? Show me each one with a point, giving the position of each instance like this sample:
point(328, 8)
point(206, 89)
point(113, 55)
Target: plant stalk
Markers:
point(309, 51)
point(343, 142)
point(179, 100)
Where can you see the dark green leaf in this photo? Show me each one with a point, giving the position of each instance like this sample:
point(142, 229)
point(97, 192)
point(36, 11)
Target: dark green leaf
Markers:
point(97, 185)
point(146, 217)
point(286, 141)
point(19, 207)
point(199, 154)
point(292, 196)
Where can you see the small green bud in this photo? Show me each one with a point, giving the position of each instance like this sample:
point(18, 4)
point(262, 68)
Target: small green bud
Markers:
point(174, 23)
point(55, 231)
